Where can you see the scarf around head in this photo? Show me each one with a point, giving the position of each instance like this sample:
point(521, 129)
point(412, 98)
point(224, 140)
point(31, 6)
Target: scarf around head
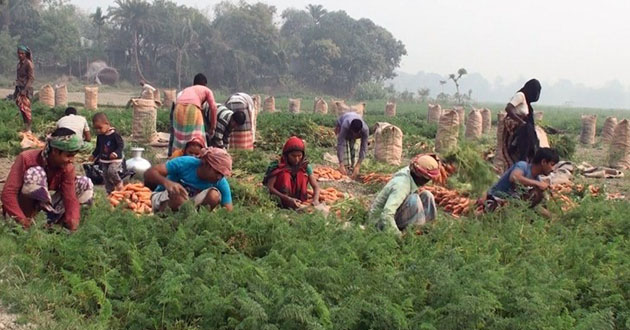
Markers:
point(218, 159)
point(531, 90)
point(297, 187)
point(25, 50)
point(426, 166)
point(68, 143)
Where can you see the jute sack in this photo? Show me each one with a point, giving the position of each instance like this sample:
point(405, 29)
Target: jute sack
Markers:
point(144, 120)
point(461, 112)
point(294, 105)
point(486, 119)
point(435, 112)
point(320, 106)
point(538, 115)
point(336, 106)
point(609, 129)
point(157, 96)
point(589, 125)
point(358, 108)
point(390, 109)
point(543, 140)
point(257, 103)
point(342, 107)
point(147, 94)
point(47, 95)
point(61, 96)
point(447, 132)
point(388, 143)
point(474, 125)
point(499, 162)
point(619, 154)
point(170, 94)
point(91, 97)
point(270, 104)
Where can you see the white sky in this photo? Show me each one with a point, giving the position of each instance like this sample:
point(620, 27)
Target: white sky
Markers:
point(583, 41)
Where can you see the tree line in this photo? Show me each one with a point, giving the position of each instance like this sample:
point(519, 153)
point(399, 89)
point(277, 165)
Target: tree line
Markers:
point(243, 46)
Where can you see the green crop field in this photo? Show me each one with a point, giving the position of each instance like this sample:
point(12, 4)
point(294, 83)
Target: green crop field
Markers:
point(264, 268)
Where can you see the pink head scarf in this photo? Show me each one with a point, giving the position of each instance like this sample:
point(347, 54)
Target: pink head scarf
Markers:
point(426, 165)
point(218, 159)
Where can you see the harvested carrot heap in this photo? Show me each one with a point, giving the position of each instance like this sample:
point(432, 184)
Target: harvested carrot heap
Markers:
point(329, 195)
point(450, 200)
point(375, 178)
point(327, 174)
point(135, 197)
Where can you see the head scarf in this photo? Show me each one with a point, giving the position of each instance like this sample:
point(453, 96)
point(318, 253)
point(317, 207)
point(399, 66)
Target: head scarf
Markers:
point(68, 143)
point(218, 159)
point(25, 50)
point(426, 166)
point(294, 143)
point(199, 140)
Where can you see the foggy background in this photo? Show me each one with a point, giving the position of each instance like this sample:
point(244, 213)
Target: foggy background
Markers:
point(577, 50)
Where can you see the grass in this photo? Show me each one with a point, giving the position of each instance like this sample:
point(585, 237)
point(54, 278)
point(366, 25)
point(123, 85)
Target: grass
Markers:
point(264, 268)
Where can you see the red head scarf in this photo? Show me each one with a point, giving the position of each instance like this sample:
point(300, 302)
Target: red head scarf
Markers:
point(218, 159)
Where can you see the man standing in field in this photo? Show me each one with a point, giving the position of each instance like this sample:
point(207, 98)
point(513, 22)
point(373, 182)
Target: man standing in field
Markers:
point(24, 85)
point(350, 126)
point(399, 205)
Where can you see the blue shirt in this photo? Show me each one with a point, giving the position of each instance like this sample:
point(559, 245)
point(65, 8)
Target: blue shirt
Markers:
point(505, 188)
point(183, 170)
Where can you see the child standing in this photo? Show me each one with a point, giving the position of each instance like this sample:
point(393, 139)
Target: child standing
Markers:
point(108, 152)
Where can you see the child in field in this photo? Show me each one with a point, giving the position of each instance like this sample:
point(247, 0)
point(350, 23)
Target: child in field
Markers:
point(108, 152)
point(192, 148)
point(288, 178)
point(525, 175)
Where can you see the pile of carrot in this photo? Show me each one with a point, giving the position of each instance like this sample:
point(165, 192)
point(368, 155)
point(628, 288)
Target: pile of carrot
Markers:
point(375, 178)
point(450, 200)
point(327, 174)
point(445, 171)
point(135, 197)
point(329, 195)
point(30, 139)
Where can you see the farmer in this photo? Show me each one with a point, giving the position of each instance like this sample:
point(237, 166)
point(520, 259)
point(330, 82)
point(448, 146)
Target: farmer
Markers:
point(243, 135)
point(201, 179)
point(76, 123)
point(192, 148)
point(35, 172)
point(519, 132)
point(24, 84)
point(526, 175)
point(227, 121)
point(188, 119)
point(289, 177)
point(398, 204)
point(350, 127)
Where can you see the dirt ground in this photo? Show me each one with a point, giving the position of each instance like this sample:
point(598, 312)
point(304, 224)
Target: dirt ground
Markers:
point(9, 321)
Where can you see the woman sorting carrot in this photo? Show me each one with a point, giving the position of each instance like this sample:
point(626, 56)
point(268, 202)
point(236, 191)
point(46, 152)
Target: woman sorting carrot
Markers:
point(289, 177)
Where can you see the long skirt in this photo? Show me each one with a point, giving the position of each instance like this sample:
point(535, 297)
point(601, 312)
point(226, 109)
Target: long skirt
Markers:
point(417, 209)
point(243, 137)
point(509, 128)
point(187, 124)
point(23, 103)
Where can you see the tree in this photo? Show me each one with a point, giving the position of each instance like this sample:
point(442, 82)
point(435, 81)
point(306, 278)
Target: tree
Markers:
point(423, 94)
point(455, 80)
point(99, 20)
point(136, 17)
point(316, 12)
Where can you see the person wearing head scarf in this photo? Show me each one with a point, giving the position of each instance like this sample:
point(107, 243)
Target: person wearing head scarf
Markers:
point(24, 84)
point(399, 205)
point(192, 148)
point(519, 131)
point(201, 179)
point(35, 172)
point(289, 177)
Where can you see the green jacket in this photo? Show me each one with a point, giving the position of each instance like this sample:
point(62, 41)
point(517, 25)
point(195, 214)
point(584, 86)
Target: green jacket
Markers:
point(391, 197)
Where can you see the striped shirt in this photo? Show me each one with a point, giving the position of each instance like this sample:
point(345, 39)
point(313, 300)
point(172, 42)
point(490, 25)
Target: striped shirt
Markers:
point(222, 132)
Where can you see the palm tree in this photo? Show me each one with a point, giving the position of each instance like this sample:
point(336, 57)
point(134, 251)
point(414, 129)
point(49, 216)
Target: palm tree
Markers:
point(136, 17)
point(316, 11)
point(99, 20)
point(460, 73)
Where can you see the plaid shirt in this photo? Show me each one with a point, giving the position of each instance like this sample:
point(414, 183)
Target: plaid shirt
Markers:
point(222, 132)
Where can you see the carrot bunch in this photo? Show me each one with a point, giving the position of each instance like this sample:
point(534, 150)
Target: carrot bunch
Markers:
point(135, 197)
point(375, 178)
point(451, 200)
point(445, 171)
point(29, 139)
point(329, 195)
point(327, 174)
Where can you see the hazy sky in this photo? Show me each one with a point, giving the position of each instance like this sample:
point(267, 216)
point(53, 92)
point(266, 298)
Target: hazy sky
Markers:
point(585, 42)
